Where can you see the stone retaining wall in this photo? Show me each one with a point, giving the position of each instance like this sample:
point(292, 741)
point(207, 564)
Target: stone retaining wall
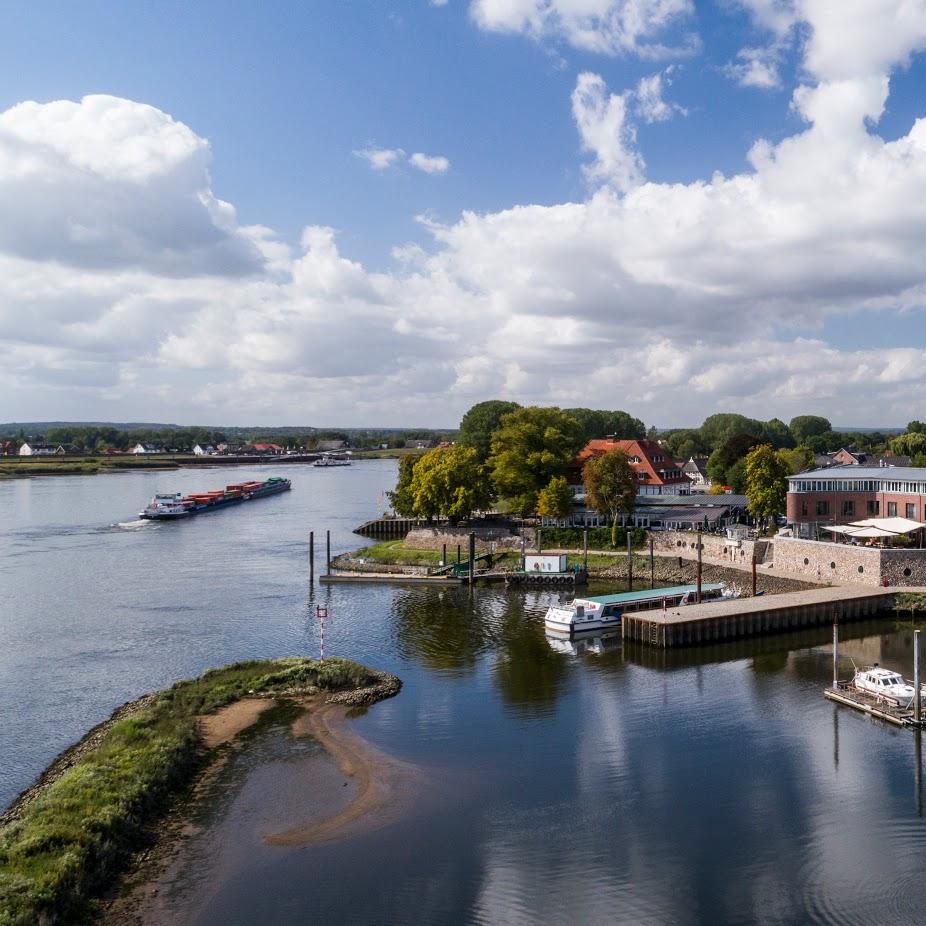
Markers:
point(433, 538)
point(717, 548)
point(819, 561)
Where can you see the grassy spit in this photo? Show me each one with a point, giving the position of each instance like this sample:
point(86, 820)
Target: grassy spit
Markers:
point(63, 841)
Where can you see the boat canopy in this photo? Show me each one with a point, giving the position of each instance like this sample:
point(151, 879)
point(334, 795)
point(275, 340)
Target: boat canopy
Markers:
point(652, 593)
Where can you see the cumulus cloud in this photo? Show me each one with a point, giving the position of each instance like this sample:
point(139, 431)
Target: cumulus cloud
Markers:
point(756, 67)
point(380, 158)
point(678, 298)
point(604, 26)
point(111, 183)
point(429, 164)
point(606, 132)
point(650, 104)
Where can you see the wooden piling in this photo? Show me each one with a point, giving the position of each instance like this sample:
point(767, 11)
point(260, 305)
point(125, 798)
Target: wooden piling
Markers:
point(698, 593)
point(472, 557)
point(311, 557)
point(652, 564)
point(753, 570)
point(917, 694)
point(328, 552)
point(629, 563)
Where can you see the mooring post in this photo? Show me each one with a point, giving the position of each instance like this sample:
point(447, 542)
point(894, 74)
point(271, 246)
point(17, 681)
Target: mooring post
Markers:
point(835, 651)
point(629, 563)
point(917, 694)
point(311, 557)
point(472, 557)
point(652, 564)
point(328, 551)
point(443, 556)
point(523, 547)
point(459, 554)
point(753, 570)
point(698, 593)
point(540, 540)
point(585, 549)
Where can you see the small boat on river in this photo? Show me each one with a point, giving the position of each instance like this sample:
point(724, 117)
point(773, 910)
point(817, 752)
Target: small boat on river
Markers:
point(169, 507)
point(329, 459)
point(586, 614)
point(885, 684)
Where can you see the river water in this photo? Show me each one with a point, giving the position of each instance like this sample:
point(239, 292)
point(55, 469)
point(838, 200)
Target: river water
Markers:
point(610, 785)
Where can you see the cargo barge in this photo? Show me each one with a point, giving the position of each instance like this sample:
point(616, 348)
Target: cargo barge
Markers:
point(170, 507)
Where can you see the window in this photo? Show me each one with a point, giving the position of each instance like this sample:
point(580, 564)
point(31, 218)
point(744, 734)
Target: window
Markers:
point(823, 508)
point(911, 511)
point(892, 509)
point(874, 508)
point(804, 509)
point(848, 508)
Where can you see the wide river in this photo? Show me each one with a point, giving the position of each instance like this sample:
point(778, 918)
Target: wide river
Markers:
point(605, 786)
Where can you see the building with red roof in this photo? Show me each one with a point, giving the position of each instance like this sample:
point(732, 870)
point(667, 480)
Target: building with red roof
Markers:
point(657, 472)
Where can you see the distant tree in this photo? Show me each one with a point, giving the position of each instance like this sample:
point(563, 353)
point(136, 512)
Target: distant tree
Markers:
point(555, 500)
point(916, 427)
point(610, 486)
point(778, 434)
point(910, 444)
point(736, 476)
point(733, 449)
point(529, 447)
point(766, 482)
point(480, 422)
point(804, 426)
point(400, 498)
point(823, 443)
point(797, 459)
point(449, 481)
point(685, 443)
point(598, 423)
point(721, 427)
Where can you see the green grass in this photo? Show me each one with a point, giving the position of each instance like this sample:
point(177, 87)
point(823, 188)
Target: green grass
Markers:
point(69, 842)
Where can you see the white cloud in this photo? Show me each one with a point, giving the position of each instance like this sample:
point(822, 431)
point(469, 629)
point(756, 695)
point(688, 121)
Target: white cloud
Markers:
point(603, 26)
point(430, 164)
point(650, 104)
point(756, 67)
point(111, 183)
point(380, 158)
point(605, 131)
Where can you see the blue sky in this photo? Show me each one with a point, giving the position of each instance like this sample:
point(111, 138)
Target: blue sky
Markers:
point(567, 275)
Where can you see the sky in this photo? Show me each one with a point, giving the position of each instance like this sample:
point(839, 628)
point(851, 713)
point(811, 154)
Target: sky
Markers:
point(375, 213)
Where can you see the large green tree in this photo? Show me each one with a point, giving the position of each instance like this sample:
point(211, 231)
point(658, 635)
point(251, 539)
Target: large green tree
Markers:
point(766, 485)
point(598, 423)
point(797, 459)
point(555, 500)
point(480, 422)
point(911, 444)
point(804, 426)
point(529, 447)
point(449, 481)
point(610, 486)
point(719, 428)
point(401, 499)
point(728, 454)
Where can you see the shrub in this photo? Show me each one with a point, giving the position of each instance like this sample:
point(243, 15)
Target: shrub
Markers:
point(599, 538)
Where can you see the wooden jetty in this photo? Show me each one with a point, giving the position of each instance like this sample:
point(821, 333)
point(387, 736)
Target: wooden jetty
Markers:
point(716, 621)
point(387, 578)
point(873, 706)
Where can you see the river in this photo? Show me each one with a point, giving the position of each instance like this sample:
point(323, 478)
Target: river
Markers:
point(612, 785)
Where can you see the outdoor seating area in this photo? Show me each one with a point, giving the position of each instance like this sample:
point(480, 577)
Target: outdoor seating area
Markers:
point(880, 531)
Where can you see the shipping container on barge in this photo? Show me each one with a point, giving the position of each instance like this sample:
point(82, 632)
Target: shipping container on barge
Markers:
point(170, 507)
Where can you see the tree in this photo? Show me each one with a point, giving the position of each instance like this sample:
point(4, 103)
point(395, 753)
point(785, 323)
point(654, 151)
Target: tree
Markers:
point(916, 427)
point(480, 422)
point(401, 496)
point(766, 482)
point(778, 434)
point(733, 449)
point(597, 423)
point(910, 444)
point(555, 500)
point(449, 481)
point(610, 486)
point(797, 460)
point(686, 442)
point(530, 447)
point(804, 426)
point(719, 428)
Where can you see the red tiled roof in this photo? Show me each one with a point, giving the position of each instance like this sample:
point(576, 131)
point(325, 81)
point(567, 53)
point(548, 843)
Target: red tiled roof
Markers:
point(652, 460)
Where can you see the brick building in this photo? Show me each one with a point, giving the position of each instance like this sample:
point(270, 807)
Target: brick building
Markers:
point(657, 472)
point(842, 494)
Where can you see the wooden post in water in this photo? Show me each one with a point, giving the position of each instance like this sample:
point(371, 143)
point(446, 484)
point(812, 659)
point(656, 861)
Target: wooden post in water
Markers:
point(472, 557)
point(652, 564)
point(328, 551)
point(835, 651)
point(540, 540)
point(523, 547)
point(459, 554)
point(585, 549)
point(311, 557)
point(917, 694)
point(753, 569)
point(443, 556)
point(629, 563)
point(698, 593)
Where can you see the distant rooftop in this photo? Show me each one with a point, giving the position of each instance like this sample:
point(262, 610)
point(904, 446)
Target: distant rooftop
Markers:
point(849, 471)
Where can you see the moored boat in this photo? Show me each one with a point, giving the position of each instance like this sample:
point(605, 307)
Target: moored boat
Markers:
point(586, 614)
point(329, 459)
point(885, 685)
point(166, 507)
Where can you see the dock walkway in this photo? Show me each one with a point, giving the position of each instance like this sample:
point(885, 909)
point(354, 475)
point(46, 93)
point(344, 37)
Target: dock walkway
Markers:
point(716, 621)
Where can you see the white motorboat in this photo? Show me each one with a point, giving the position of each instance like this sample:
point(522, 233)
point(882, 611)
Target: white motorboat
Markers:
point(586, 614)
point(329, 459)
point(885, 684)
